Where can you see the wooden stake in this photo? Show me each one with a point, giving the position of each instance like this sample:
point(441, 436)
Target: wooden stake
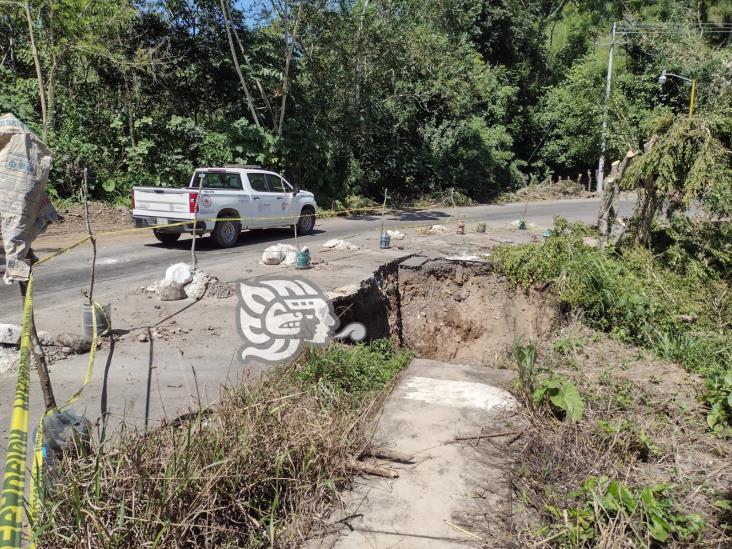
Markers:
point(195, 226)
point(42, 364)
point(388, 454)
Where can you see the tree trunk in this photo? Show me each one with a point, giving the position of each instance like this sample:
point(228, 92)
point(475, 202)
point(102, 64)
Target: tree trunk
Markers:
point(648, 203)
point(290, 39)
point(249, 66)
point(611, 198)
point(237, 67)
point(39, 72)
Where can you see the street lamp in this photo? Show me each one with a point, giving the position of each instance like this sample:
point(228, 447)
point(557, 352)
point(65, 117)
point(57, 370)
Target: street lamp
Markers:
point(664, 78)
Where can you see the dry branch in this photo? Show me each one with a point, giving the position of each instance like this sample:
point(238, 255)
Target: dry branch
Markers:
point(368, 469)
point(388, 454)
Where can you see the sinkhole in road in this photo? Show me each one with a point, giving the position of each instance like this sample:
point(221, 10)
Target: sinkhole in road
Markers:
point(457, 312)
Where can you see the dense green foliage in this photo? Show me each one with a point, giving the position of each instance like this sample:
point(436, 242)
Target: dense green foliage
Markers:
point(349, 97)
point(676, 302)
point(356, 371)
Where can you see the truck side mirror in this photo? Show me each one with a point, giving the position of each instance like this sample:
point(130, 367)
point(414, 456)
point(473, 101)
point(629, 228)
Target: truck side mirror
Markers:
point(295, 190)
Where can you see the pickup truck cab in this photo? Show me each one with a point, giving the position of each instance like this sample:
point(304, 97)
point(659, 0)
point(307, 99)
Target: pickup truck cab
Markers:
point(223, 202)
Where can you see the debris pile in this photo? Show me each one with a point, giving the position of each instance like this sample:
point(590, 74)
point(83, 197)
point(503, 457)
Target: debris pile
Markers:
point(435, 229)
point(395, 235)
point(284, 254)
point(337, 244)
point(181, 282)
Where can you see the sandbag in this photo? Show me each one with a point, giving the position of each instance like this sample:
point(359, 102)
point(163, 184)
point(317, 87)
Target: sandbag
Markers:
point(25, 210)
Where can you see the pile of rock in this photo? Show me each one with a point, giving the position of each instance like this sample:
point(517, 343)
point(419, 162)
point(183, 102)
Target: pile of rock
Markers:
point(181, 282)
point(55, 348)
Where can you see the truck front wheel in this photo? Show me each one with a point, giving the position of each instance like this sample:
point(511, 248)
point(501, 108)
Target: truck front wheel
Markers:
point(166, 238)
point(226, 233)
point(306, 223)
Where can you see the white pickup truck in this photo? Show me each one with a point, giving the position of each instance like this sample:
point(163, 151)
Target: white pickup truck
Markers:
point(223, 201)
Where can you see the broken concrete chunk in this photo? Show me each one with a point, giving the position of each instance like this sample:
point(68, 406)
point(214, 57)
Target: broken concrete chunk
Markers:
point(467, 256)
point(197, 288)
point(8, 359)
point(77, 343)
point(396, 235)
point(180, 273)
point(45, 338)
point(279, 253)
point(437, 229)
point(10, 334)
point(170, 291)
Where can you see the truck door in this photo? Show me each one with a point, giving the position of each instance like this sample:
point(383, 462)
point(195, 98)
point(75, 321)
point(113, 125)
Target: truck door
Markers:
point(262, 201)
point(222, 190)
point(270, 201)
point(283, 198)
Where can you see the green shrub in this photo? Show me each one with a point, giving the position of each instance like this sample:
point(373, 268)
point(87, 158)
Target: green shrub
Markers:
point(352, 370)
point(646, 513)
point(637, 297)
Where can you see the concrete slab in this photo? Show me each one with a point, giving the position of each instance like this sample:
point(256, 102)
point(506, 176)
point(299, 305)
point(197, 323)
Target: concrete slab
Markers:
point(414, 262)
point(433, 403)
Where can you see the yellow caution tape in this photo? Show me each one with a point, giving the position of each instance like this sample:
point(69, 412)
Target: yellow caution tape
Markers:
point(11, 499)
point(38, 453)
point(239, 219)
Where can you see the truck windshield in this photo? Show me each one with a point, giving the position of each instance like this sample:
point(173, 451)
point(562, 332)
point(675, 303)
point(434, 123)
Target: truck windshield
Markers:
point(217, 180)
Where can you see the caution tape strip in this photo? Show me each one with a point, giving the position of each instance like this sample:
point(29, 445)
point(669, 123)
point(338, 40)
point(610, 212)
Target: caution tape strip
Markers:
point(217, 219)
point(13, 488)
point(36, 485)
point(11, 498)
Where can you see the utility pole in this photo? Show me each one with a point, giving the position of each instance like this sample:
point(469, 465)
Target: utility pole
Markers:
point(603, 143)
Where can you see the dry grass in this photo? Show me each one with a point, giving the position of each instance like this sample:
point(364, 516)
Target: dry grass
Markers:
point(258, 470)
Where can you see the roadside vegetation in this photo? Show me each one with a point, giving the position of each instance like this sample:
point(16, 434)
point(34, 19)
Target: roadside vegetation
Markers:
point(621, 449)
point(255, 470)
point(349, 98)
point(674, 299)
point(611, 459)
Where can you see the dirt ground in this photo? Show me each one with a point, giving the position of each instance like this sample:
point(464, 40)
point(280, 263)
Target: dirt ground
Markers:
point(104, 217)
point(468, 315)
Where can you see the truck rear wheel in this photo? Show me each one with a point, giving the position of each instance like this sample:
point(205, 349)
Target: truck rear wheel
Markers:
point(226, 233)
point(306, 222)
point(166, 238)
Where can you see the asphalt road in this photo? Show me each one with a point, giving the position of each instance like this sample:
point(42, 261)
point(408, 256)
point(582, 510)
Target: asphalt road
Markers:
point(137, 259)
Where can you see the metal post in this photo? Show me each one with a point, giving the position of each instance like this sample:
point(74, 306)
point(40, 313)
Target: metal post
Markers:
point(603, 143)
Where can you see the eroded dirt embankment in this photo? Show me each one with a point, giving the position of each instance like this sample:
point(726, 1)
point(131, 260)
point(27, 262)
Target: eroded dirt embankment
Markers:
point(458, 312)
point(642, 424)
